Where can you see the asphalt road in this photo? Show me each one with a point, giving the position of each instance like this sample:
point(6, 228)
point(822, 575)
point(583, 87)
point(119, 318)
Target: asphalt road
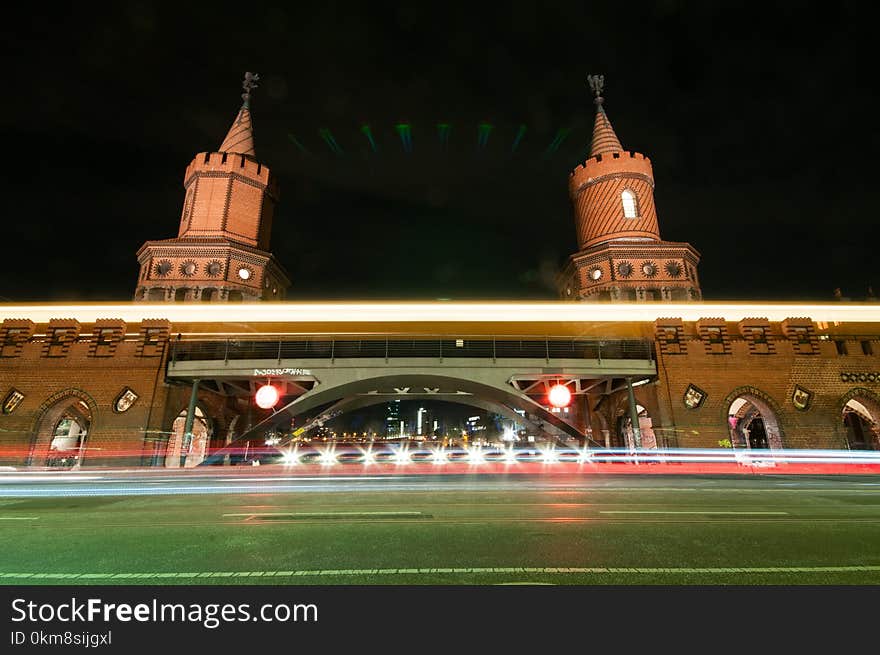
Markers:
point(272, 527)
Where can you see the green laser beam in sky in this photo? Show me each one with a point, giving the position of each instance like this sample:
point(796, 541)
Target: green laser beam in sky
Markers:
point(296, 142)
point(405, 132)
point(483, 131)
point(520, 133)
point(443, 133)
point(329, 140)
point(367, 132)
point(561, 133)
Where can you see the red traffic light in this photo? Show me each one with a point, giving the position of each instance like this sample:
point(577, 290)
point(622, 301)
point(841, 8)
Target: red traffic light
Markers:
point(267, 396)
point(559, 395)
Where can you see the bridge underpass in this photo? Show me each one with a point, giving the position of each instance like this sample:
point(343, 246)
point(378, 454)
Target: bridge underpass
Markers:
point(321, 378)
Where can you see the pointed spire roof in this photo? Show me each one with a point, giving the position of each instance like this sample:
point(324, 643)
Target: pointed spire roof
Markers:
point(240, 138)
point(604, 138)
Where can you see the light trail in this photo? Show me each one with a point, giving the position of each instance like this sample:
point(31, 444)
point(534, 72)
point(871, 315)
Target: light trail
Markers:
point(363, 313)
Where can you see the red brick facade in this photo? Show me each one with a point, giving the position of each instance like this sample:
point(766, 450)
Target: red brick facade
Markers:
point(221, 252)
point(811, 384)
point(621, 256)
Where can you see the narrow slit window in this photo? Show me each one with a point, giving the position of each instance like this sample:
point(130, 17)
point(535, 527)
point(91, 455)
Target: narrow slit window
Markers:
point(630, 210)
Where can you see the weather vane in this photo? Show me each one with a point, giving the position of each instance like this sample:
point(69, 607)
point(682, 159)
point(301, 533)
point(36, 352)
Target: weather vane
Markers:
point(597, 83)
point(250, 82)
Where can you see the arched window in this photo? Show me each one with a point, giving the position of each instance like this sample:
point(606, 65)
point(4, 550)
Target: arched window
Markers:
point(630, 208)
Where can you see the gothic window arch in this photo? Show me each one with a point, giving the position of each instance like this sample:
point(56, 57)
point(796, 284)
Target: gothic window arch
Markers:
point(630, 203)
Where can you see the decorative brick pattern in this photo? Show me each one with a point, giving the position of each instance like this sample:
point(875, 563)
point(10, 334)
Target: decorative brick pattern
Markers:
point(156, 333)
point(713, 334)
point(14, 333)
point(802, 333)
point(106, 335)
point(60, 334)
point(669, 333)
point(756, 331)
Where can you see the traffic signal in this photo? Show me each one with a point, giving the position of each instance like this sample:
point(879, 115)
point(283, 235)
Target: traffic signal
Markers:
point(267, 396)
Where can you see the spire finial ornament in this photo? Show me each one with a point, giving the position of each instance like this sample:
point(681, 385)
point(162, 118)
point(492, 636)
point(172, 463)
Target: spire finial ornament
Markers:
point(250, 83)
point(597, 83)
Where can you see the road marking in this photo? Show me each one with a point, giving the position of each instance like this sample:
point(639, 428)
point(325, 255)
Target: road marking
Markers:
point(327, 514)
point(431, 571)
point(308, 479)
point(651, 511)
point(19, 518)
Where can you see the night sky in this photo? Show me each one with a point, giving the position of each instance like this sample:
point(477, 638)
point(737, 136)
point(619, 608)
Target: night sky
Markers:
point(760, 122)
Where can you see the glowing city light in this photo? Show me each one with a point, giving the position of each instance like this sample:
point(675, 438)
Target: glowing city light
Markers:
point(267, 396)
point(475, 456)
point(559, 395)
point(439, 456)
point(291, 457)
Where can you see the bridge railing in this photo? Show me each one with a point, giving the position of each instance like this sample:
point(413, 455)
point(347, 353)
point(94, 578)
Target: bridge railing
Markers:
point(422, 347)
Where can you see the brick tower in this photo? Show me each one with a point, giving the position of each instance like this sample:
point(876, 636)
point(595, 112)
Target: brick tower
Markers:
point(221, 252)
point(621, 256)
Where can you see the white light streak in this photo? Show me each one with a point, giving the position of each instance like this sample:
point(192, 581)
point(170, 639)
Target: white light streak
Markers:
point(427, 312)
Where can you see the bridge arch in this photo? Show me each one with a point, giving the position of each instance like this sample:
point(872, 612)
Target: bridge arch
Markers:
point(332, 398)
point(432, 386)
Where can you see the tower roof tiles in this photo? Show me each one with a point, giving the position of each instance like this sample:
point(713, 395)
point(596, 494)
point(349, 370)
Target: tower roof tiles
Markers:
point(604, 138)
point(240, 138)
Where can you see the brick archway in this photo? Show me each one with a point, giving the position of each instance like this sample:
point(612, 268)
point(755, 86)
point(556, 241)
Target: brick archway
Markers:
point(203, 429)
point(864, 404)
point(758, 404)
point(50, 412)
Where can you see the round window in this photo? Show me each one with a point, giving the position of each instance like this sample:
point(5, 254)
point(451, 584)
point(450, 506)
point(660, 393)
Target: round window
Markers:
point(596, 274)
point(244, 273)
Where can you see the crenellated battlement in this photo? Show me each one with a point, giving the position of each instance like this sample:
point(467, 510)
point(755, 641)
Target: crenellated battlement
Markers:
point(611, 163)
point(228, 162)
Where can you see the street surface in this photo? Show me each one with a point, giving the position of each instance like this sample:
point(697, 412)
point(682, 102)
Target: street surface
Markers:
point(268, 525)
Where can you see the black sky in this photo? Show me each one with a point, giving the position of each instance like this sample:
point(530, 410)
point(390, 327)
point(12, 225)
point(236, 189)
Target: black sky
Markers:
point(760, 120)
